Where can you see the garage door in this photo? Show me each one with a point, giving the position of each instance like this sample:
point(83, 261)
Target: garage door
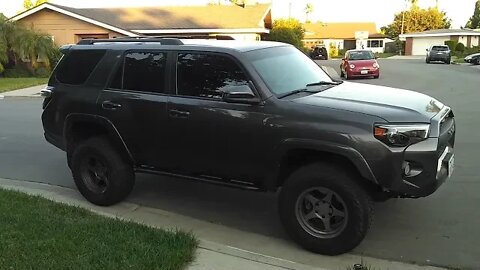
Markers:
point(421, 44)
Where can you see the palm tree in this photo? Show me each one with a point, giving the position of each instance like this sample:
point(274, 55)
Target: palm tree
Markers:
point(308, 10)
point(19, 43)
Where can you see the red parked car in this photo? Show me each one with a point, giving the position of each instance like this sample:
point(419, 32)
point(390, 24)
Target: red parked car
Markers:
point(359, 63)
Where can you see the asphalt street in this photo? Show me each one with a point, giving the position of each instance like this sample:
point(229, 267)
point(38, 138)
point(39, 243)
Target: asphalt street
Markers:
point(441, 230)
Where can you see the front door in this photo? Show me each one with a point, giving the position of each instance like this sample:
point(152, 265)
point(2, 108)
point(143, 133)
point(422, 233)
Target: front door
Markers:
point(136, 103)
point(210, 137)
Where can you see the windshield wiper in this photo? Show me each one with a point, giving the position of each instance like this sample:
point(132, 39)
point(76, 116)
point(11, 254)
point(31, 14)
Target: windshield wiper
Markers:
point(324, 83)
point(303, 90)
point(306, 90)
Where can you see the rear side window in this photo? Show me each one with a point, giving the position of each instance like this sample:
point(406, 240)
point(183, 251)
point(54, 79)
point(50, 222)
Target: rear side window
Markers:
point(77, 66)
point(207, 75)
point(141, 71)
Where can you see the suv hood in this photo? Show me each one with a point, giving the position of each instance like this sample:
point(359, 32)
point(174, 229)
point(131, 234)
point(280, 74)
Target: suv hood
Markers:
point(391, 104)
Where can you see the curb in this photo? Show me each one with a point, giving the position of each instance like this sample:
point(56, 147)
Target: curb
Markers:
point(209, 252)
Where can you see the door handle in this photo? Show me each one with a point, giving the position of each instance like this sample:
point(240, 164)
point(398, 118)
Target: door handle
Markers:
point(178, 113)
point(108, 105)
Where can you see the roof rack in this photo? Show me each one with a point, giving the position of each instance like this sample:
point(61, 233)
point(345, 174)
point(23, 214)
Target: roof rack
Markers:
point(217, 37)
point(163, 41)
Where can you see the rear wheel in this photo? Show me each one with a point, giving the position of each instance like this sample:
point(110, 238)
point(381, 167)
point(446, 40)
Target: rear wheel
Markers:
point(427, 61)
point(324, 210)
point(101, 175)
point(448, 61)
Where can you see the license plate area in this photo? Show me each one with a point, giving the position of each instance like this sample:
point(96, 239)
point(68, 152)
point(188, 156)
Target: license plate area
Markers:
point(447, 159)
point(363, 72)
point(451, 165)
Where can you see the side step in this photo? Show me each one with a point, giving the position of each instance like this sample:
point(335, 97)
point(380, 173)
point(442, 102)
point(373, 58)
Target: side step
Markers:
point(203, 178)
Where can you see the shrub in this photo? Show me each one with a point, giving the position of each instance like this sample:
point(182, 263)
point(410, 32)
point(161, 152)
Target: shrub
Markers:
point(333, 50)
point(460, 47)
point(288, 31)
point(42, 72)
point(18, 71)
point(452, 44)
point(391, 47)
point(342, 52)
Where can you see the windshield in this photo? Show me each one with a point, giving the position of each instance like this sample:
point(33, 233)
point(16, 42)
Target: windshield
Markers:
point(440, 48)
point(360, 55)
point(285, 69)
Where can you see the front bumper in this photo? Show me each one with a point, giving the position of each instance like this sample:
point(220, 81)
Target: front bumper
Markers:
point(363, 72)
point(430, 161)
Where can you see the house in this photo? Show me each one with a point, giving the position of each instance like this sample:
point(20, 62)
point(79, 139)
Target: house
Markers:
point(68, 25)
point(345, 36)
point(417, 43)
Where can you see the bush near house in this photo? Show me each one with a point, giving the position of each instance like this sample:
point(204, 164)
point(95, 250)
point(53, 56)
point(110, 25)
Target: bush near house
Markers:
point(460, 47)
point(452, 44)
point(289, 31)
point(22, 46)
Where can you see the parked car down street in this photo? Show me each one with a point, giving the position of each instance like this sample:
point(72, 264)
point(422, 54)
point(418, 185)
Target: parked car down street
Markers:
point(473, 59)
point(440, 53)
point(359, 64)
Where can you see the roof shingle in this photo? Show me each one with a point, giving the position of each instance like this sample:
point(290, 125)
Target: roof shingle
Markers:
point(178, 17)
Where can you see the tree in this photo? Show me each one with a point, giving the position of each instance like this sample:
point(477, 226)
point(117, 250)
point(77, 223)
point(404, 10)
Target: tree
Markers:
point(28, 4)
point(474, 21)
point(417, 20)
point(308, 11)
point(288, 31)
point(17, 42)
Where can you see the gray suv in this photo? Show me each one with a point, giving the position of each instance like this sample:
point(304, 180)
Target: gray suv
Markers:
point(439, 53)
point(252, 115)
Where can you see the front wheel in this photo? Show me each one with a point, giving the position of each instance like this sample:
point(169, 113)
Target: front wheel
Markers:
point(427, 61)
point(324, 210)
point(100, 173)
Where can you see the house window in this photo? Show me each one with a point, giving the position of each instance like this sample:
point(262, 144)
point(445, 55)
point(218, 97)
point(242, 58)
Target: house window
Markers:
point(375, 43)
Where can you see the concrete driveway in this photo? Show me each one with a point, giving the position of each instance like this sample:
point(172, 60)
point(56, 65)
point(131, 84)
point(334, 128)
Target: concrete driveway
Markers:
point(441, 230)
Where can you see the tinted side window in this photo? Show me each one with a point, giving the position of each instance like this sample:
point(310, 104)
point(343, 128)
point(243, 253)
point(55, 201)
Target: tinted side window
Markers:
point(207, 75)
point(143, 71)
point(78, 65)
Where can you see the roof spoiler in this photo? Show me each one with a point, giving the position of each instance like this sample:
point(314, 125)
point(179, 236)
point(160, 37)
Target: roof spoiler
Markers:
point(65, 48)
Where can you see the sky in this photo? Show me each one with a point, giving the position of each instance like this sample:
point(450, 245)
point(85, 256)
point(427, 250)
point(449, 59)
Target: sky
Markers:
point(379, 11)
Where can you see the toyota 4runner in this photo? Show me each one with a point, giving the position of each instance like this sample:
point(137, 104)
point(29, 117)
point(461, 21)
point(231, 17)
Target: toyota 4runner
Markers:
point(252, 115)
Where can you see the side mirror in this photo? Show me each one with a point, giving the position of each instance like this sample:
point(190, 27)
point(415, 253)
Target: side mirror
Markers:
point(241, 94)
point(426, 50)
point(343, 59)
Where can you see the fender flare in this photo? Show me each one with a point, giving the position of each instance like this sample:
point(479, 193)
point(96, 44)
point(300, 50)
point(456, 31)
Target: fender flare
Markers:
point(347, 152)
point(112, 131)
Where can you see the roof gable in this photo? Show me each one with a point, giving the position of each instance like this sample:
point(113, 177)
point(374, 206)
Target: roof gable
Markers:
point(337, 30)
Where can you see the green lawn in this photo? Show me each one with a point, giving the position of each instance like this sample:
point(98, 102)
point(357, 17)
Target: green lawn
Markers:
point(36, 233)
point(8, 84)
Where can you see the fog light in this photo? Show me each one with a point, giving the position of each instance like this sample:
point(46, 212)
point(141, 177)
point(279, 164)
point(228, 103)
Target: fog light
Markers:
point(406, 168)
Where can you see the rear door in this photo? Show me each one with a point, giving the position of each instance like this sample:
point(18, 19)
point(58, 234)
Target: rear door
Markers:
point(136, 102)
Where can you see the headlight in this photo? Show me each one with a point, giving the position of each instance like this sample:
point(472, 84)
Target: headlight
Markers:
point(375, 65)
point(352, 66)
point(468, 58)
point(401, 135)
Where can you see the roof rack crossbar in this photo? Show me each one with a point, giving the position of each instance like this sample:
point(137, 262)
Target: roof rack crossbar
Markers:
point(163, 41)
point(217, 37)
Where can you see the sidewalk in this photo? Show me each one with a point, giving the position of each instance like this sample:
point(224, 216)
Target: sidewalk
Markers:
point(33, 91)
point(211, 255)
point(406, 57)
